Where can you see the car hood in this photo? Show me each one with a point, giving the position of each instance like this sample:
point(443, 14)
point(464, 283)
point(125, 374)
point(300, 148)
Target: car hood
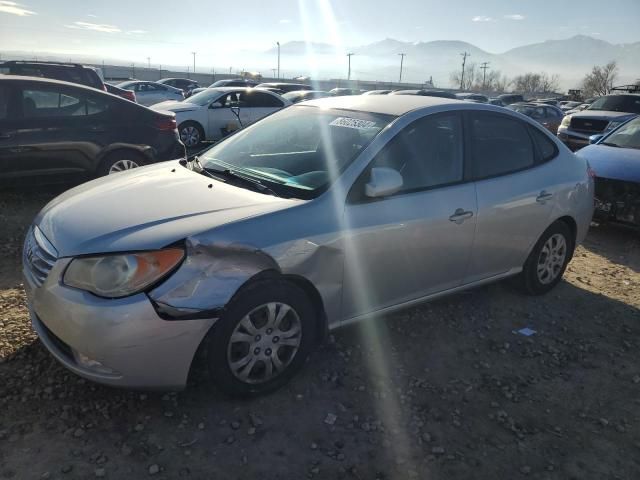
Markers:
point(613, 162)
point(146, 208)
point(602, 115)
point(174, 106)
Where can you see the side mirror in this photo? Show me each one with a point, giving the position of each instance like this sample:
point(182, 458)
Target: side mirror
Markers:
point(215, 105)
point(383, 182)
point(595, 139)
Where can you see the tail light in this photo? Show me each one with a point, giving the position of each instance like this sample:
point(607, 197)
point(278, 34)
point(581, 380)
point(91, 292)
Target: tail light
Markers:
point(165, 123)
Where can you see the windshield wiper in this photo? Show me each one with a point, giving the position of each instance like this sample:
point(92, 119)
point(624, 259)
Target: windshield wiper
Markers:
point(240, 178)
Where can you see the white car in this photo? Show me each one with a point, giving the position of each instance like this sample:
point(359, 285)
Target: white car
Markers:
point(213, 113)
point(150, 93)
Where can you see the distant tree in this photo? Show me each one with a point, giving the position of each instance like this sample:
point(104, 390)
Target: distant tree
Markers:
point(536, 83)
point(470, 80)
point(496, 81)
point(600, 81)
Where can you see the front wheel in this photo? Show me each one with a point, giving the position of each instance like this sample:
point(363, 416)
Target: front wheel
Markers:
point(548, 260)
point(263, 339)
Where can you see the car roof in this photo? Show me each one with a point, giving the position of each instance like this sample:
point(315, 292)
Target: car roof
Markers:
point(24, 78)
point(384, 104)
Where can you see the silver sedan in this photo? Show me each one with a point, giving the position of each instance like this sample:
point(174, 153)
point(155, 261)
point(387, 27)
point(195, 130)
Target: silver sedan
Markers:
point(322, 214)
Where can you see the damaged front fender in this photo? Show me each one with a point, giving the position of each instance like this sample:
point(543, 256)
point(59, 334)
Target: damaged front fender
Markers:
point(208, 278)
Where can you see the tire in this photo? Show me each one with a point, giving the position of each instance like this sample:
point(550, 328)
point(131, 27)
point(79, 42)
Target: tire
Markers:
point(548, 260)
point(191, 134)
point(119, 161)
point(245, 337)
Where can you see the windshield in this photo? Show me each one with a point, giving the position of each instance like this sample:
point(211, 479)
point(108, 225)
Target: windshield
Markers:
point(298, 151)
point(617, 103)
point(627, 136)
point(529, 111)
point(205, 97)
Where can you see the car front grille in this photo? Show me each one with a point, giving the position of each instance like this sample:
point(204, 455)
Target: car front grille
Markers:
point(39, 256)
point(588, 125)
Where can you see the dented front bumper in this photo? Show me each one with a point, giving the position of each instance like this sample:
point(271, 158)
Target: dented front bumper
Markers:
point(119, 342)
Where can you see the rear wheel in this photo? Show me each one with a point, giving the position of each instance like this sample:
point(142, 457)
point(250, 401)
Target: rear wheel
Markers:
point(262, 340)
point(191, 134)
point(548, 260)
point(119, 162)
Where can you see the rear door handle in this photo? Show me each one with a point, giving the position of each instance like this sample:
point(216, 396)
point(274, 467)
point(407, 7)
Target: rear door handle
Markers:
point(543, 197)
point(460, 216)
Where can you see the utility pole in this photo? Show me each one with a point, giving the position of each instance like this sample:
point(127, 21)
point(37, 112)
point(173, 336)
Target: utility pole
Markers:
point(213, 75)
point(274, 72)
point(278, 60)
point(483, 67)
point(160, 71)
point(194, 62)
point(104, 71)
point(464, 61)
point(349, 55)
point(402, 55)
point(149, 63)
point(133, 70)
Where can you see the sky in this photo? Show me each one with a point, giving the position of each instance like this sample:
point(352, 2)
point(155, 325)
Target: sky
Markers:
point(168, 31)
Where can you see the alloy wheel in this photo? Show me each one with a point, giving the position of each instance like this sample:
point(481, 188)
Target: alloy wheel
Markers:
point(551, 258)
point(264, 343)
point(190, 136)
point(122, 165)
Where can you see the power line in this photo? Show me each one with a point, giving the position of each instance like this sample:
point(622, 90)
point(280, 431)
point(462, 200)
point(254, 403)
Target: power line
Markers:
point(464, 62)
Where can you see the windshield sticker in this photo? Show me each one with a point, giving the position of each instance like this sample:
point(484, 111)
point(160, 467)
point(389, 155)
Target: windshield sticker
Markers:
point(353, 123)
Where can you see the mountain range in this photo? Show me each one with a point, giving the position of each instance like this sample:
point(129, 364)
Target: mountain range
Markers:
point(569, 58)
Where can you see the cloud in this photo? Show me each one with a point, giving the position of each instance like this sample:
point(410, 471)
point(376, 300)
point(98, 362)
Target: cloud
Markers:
point(136, 32)
point(482, 18)
point(515, 16)
point(14, 9)
point(92, 15)
point(285, 20)
point(94, 27)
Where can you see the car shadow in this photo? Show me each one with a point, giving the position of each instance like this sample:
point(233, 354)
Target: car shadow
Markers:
point(624, 239)
point(443, 389)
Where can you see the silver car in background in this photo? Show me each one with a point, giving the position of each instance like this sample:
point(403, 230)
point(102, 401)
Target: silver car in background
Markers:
point(320, 215)
point(150, 93)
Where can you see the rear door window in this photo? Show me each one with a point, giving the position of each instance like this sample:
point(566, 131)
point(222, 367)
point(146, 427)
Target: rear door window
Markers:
point(499, 145)
point(45, 103)
point(546, 148)
point(262, 100)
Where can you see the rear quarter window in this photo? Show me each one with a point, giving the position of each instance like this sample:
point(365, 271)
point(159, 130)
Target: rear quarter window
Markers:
point(547, 150)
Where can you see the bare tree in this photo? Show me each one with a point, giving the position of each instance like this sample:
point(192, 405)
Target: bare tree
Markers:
point(497, 82)
point(536, 83)
point(471, 76)
point(600, 81)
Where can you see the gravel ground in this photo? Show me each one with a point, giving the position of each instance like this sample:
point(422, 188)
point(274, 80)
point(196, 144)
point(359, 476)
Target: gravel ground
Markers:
point(443, 391)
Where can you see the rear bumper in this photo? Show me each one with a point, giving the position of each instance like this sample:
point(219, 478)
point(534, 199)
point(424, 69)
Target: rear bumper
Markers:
point(118, 342)
point(174, 150)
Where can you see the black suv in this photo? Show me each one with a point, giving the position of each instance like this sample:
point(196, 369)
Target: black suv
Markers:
point(67, 72)
point(54, 131)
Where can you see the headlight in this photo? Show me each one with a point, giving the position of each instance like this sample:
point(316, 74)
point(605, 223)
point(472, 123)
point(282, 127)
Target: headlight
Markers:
point(566, 121)
point(120, 275)
point(612, 125)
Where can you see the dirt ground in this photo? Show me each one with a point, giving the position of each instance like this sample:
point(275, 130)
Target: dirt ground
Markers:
point(443, 391)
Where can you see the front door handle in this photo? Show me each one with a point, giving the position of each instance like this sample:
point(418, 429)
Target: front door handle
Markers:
point(460, 216)
point(543, 197)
